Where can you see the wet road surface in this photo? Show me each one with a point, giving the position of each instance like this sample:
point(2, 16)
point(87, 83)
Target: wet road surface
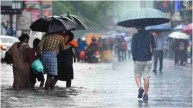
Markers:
point(102, 86)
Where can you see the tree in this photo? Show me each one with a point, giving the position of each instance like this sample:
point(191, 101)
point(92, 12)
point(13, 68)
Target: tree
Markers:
point(94, 12)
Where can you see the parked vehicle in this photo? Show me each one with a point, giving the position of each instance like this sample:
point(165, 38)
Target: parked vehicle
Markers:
point(5, 43)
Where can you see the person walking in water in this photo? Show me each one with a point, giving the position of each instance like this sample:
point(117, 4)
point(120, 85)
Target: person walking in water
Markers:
point(65, 60)
point(50, 45)
point(32, 55)
point(142, 45)
point(21, 67)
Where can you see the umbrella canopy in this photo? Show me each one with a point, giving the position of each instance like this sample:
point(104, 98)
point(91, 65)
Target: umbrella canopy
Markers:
point(161, 27)
point(81, 24)
point(178, 35)
point(144, 17)
point(180, 27)
point(188, 29)
point(52, 24)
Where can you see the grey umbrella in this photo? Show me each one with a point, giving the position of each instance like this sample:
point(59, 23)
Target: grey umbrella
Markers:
point(144, 17)
point(81, 24)
point(180, 27)
point(161, 27)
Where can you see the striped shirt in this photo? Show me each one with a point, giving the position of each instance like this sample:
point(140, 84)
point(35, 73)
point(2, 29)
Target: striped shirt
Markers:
point(52, 43)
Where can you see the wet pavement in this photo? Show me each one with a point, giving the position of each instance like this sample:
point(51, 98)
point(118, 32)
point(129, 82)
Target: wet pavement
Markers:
point(104, 86)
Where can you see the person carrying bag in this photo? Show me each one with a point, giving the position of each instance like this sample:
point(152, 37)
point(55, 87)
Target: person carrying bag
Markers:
point(37, 68)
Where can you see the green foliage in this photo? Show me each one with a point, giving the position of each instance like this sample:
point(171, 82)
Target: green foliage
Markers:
point(94, 12)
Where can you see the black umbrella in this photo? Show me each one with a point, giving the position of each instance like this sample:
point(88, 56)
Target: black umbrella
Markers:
point(52, 24)
point(40, 25)
point(81, 24)
point(144, 17)
point(68, 23)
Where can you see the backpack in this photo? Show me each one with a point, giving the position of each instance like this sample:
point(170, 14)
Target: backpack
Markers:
point(8, 58)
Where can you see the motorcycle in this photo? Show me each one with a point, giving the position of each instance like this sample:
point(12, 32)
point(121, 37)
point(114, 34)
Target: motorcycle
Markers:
point(93, 58)
point(82, 56)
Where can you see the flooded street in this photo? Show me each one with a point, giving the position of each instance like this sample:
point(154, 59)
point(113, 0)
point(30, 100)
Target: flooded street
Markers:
point(49, 35)
point(101, 86)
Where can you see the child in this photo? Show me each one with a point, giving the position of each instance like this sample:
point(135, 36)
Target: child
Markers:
point(33, 55)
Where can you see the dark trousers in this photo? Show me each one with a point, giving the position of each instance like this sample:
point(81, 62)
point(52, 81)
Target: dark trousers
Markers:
point(39, 76)
point(182, 57)
point(158, 54)
point(119, 54)
point(78, 55)
point(176, 59)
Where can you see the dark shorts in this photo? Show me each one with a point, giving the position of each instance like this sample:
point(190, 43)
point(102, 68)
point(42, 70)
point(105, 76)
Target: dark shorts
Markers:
point(40, 76)
point(34, 75)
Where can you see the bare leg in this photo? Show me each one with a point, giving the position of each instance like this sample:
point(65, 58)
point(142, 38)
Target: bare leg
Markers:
point(138, 81)
point(146, 85)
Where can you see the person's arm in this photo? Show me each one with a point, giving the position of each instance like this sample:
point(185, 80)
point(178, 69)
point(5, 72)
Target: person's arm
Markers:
point(134, 47)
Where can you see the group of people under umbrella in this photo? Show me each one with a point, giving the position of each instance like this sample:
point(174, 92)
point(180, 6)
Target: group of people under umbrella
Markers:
point(57, 53)
point(52, 55)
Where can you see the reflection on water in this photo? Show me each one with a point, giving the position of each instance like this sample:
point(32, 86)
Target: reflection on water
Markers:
point(57, 92)
point(143, 103)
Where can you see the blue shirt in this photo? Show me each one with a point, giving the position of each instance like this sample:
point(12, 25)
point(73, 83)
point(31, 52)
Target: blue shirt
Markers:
point(140, 46)
point(82, 45)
